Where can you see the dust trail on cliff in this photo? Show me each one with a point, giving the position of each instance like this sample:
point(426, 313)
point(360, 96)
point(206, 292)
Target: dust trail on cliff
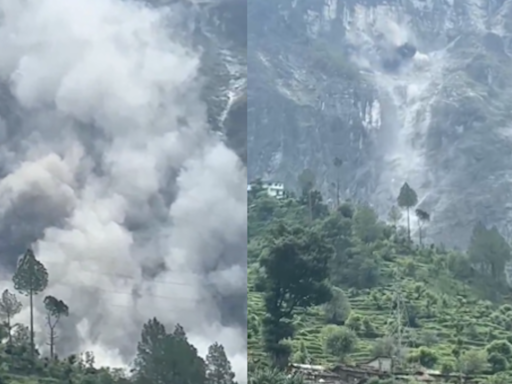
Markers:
point(142, 211)
point(405, 100)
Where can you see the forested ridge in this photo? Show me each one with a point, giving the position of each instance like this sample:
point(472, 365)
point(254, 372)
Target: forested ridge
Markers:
point(337, 285)
point(163, 356)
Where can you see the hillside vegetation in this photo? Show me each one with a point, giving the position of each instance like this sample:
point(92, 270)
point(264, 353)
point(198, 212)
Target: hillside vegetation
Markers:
point(330, 286)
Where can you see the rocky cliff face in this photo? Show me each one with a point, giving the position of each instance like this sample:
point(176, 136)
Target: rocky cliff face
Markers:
point(221, 32)
point(401, 90)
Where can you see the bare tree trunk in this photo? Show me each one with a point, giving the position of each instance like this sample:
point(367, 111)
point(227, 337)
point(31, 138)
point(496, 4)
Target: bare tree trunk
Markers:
point(9, 328)
point(52, 342)
point(32, 346)
point(408, 226)
point(310, 207)
point(337, 193)
point(53, 336)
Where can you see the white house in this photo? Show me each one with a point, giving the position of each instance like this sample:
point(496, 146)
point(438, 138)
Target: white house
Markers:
point(273, 189)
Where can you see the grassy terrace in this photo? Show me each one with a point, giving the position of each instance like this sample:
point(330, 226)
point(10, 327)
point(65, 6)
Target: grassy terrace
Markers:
point(455, 304)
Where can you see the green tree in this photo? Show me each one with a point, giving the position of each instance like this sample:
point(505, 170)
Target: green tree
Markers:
point(337, 309)
point(423, 217)
point(318, 208)
point(256, 187)
point(337, 231)
point(55, 310)
point(295, 274)
point(218, 367)
point(21, 335)
point(30, 278)
point(473, 361)
point(368, 329)
point(302, 355)
point(260, 211)
point(500, 347)
point(489, 252)
point(339, 341)
point(355, 322)
point(9, 307)
point(179, 332)
point(307, 181)
point(394, 216)
point(407, 199)
point(426, 357)
point(361, 269)
point(253, 326)
point(497, 362)
point(384, 347)
point(337, 162)
point(366, 225)
point(164, 358)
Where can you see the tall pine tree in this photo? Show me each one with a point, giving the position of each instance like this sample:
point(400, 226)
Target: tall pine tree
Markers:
point(307, 182)
point(407, 199)
point(30, 278)
point(337, 164)
point(218, 367)
point(167, 358)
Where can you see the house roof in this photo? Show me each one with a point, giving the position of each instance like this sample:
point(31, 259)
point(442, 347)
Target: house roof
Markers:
point(309, 367)
point(374, 359)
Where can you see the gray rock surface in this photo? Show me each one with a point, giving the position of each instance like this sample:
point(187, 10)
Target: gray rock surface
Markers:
point(327, 78)
point(221, 32)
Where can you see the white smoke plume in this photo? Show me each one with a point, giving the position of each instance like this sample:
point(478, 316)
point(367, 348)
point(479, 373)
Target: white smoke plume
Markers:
point(141, 212)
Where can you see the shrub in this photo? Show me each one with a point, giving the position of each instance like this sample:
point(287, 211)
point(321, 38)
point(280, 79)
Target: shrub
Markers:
point(500, 347)
point(447, 367)
point(337, 310)
point(424, 356)
point(497, 362)
point(355, 322)
point(473, 361)
point(302, 355)
point(339, 341)
point(383, 347)
point(368, 328)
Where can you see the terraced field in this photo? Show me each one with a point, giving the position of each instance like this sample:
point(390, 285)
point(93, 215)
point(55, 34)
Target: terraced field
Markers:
point(446, 310)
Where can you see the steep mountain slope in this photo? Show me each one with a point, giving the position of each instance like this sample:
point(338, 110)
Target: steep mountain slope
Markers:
point(221, 31)
point(334, 78)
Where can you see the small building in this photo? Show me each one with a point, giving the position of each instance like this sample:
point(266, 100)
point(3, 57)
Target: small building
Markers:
point(381, 364)
point(315, 374)
point(274, 189)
